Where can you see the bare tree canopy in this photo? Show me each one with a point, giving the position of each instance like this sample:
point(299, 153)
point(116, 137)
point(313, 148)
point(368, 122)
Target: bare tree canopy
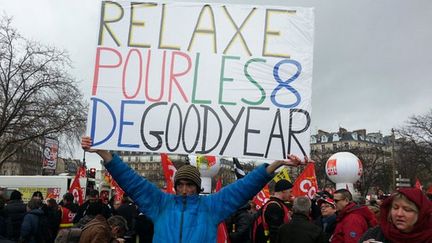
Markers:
point(38, 97)
point(415, 147)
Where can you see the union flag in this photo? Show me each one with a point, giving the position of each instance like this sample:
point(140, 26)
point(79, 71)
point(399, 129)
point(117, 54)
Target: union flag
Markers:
point(306, 183)
point(169, 172)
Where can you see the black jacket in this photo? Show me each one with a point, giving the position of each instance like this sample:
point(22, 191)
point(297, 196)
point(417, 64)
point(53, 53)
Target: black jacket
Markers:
point(300, 229)
point(239, 225)
point(144, 228)
point(14, 212)
point(274, 216)
point(327, 224)
point(374, 233)
point(82, 210)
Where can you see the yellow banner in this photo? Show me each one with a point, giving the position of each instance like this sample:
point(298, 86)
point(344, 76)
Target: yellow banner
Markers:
point(27, 192)
point(283, 174)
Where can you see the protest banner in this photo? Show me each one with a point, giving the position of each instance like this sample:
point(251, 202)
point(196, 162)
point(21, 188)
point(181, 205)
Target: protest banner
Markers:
point(193, 78)
point(50, 153)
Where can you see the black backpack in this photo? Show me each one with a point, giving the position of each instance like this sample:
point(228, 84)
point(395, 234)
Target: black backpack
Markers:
point(259, 231)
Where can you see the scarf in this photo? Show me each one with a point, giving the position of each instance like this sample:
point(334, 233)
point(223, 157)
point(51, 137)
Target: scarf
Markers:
point(422, 231)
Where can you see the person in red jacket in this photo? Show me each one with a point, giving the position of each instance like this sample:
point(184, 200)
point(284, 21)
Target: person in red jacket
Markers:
point(68, 210)
point(352, 221)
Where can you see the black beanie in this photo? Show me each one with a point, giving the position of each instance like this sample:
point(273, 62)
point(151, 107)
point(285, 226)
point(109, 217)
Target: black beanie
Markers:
point(188, 172)
point(283, 185)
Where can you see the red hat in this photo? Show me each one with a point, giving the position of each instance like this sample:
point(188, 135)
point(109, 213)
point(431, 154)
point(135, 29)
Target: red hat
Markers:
point(326, 200)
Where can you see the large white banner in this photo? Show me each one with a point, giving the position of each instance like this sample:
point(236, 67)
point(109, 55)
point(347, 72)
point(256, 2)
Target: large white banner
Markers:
point(193, 78)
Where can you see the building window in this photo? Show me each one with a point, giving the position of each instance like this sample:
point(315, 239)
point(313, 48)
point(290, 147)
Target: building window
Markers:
point(313, 139)
point(335, 137)
point(323, 147)
point(334, 146)
point(323, 139)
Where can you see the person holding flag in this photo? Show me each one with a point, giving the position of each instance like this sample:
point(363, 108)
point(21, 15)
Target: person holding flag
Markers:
point(186, 216)
point(273, 214)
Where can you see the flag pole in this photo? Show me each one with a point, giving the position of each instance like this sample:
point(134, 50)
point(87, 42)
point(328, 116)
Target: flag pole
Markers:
point(84, 161)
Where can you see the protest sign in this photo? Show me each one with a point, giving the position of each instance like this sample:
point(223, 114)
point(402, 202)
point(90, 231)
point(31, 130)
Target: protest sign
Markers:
point(50, 152)
point(193, 78)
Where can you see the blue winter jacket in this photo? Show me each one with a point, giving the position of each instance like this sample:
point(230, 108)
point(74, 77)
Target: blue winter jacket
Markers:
point(186, 219)
point(30, 225)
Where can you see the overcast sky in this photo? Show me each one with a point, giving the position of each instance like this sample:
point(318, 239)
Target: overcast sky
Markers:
point(372, 58)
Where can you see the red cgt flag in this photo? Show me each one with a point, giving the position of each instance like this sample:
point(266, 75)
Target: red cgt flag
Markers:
point(306, 183)
point(262, 197)
point(222, 231)
point(82, 172)
point(75, 187)
point(118, 191)
point(169, 171)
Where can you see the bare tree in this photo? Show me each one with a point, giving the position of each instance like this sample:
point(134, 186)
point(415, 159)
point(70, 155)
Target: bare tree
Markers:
point(38, 97)
point(320, 158)
point(414, 150)
point(376, 169)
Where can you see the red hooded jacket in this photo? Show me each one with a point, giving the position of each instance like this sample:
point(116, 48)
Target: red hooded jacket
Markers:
point(422, 231)
point(352, 222)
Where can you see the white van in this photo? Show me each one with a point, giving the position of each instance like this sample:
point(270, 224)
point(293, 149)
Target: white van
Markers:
point(50, 186)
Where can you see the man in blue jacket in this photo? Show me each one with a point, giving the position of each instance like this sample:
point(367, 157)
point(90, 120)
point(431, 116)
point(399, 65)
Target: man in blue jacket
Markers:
point(187, 216)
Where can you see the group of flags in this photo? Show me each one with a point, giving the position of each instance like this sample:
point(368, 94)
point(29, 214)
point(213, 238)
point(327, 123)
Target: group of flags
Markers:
point(78, 191)
point(305, 185)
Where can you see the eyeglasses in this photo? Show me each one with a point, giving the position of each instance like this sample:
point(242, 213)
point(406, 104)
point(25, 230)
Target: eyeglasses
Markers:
point(337, 200)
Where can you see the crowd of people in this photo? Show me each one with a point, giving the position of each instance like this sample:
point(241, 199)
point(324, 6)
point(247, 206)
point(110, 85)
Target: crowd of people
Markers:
point(148, 214)
point(45, 221)
point(188, 216)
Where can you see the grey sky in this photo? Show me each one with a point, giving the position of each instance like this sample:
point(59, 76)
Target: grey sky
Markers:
point(372, 59)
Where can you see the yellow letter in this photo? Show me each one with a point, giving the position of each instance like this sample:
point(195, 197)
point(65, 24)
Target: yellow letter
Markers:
point(268, 32)
point(238, 33)
point(141, 24)
point(104, 22)
point(162, 25)
point(203, 30)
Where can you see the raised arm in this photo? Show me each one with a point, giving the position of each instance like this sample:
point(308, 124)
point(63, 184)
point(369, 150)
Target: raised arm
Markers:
point(292, 160)
point(235, 195)
point(86, 143)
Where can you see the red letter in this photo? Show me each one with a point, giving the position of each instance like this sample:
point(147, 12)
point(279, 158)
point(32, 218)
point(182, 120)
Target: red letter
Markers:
point(98, 65)
point(124, 74)
point(162, 78)
point(174, 75)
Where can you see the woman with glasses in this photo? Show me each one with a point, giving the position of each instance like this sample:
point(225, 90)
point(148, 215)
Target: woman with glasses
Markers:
point(405, 217)
point(327, 220)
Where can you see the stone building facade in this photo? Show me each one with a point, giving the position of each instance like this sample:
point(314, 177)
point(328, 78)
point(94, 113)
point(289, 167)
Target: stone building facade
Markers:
point(374, 150)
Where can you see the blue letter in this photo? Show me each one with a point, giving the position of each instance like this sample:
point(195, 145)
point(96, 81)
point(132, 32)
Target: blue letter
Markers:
point(93, 123)
point(124, 123)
